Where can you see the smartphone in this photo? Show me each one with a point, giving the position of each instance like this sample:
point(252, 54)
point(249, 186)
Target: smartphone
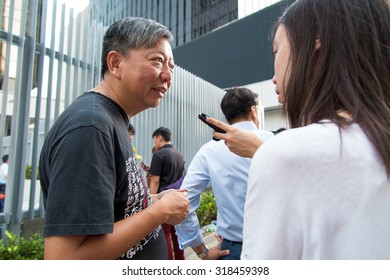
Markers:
point(203, 117)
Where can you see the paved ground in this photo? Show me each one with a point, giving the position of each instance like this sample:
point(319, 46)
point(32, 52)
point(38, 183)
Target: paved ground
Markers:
point(209, 239)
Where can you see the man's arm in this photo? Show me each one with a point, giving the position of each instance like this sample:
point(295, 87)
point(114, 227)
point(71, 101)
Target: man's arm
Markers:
point(171, 208)
point(154, 184)
point(195, 182)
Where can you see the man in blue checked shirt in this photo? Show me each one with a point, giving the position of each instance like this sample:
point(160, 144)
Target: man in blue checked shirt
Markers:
point(227, 173)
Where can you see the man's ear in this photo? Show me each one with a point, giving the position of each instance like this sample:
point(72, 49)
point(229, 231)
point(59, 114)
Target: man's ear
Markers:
point(253, 112)
point(254, 115)
point(113, 63)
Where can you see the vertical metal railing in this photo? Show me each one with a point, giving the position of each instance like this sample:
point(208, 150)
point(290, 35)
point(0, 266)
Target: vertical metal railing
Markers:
point(18, 137)
point(36, 134)
point(8, 45)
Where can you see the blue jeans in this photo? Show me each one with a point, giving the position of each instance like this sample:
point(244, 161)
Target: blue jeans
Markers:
point(234, 247)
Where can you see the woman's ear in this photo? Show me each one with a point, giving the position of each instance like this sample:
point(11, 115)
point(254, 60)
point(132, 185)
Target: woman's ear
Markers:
point(317, 44)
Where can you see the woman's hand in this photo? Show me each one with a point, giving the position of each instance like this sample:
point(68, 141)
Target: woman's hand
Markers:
point(239, 141)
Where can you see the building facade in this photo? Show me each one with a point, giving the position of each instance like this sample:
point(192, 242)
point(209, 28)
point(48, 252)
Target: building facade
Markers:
point(187, 19)
point(239, 54)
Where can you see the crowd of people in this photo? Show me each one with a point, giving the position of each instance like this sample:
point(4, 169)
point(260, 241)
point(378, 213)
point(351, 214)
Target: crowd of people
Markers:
point(318, 190)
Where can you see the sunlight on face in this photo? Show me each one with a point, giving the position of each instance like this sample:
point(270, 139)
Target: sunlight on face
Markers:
point(146, 76)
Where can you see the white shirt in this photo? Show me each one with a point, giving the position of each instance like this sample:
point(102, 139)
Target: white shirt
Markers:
point(3, 173)
point(316, 194)
point(228, 175)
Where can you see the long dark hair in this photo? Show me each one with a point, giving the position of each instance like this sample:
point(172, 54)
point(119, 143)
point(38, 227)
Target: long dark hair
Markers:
point(349, 72)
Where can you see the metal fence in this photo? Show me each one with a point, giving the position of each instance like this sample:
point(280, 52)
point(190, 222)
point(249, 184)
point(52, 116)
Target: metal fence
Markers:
point(48, 58)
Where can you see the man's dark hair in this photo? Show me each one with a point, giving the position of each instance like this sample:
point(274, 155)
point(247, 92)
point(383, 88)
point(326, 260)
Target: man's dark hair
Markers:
point(131, 33)
point(164, 132)
point(237, 103)
point(131, 129)
point(5, 158)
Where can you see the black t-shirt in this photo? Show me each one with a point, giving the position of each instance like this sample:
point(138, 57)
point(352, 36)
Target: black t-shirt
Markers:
point(89, 175)
point(167, 163)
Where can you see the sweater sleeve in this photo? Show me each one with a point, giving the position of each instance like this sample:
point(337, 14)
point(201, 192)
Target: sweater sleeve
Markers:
point(272, 221)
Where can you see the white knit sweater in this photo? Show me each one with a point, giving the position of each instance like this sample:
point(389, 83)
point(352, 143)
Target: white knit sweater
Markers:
point(316, 194)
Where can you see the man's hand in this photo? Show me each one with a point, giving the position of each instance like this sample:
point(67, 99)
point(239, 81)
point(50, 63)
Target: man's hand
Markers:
point(177, 205)
point(157, 196)
point(214, 253)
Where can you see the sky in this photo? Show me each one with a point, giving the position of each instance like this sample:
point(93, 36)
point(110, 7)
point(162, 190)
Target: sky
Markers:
point(77, 5)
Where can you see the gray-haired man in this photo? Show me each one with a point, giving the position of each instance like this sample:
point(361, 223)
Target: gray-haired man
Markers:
point(96, 204)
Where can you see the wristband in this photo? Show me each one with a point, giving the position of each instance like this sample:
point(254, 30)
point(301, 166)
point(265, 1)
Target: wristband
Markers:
point(204, 253)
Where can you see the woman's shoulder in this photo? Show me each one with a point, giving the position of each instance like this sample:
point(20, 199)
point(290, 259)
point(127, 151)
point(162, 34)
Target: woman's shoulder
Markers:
point(317, 139)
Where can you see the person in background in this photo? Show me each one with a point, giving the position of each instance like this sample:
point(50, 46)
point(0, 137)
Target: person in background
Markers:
point(321, 190)
point(3, 180)
point(166, 168)
point(96, 205)
point(228, 174)
point(140, 160)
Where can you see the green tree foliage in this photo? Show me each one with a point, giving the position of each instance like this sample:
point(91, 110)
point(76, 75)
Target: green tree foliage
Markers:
point(17, 248)
point(29, 172)
point(207, 210)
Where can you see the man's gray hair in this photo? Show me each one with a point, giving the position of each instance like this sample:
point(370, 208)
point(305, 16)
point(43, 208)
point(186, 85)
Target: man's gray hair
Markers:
point(132, 33)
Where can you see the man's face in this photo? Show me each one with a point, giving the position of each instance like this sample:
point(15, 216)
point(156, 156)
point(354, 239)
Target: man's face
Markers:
point(131, 137)
point(146, 75)
point(157, 141)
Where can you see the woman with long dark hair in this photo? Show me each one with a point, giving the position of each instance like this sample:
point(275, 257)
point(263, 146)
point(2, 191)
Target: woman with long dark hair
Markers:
point(321, 189)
